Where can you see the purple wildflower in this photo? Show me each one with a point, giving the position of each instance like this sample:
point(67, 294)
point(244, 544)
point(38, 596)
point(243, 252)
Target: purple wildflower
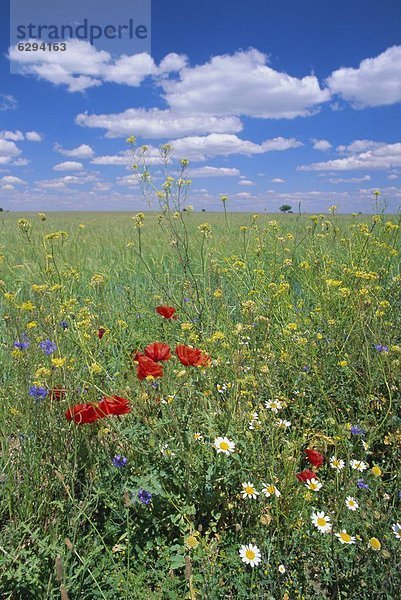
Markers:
point(356, 430)
point(119, 461)
point(48, 347)
point(362, 485)
point(63, 325)
point(39, 392)
point(381, 348)
point(186, 299)
point(144, 497)
point(22, 343)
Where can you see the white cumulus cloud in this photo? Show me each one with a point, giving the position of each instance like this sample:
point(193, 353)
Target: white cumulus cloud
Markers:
point(350, 179)
point(243, 84)
point(322, 145)
point(376, 82)
point(11, 180)
point(33, 136)
point(69, 165)
point(381, 157)
point(157, 123)
point(214, 172)
point(8, 102)
point(8, 150)
point(14, 136)
point(82, 151)
point(215, 144)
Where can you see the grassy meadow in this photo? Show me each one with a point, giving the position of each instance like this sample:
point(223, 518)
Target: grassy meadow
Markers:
point(189, 488)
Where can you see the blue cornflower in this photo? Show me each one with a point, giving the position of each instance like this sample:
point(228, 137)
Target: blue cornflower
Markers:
point(119, 461)
point(381, 348)
point(144, 497)
point(39, 392)
point(63, 325)
point(356, 430)
point(186, 299)
point(362, 485)
point(48, 347)
point(22, 343)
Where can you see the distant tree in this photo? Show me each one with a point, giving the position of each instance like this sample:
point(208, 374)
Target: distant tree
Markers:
point(203, 209)
point(285, 208)
point(1, 209)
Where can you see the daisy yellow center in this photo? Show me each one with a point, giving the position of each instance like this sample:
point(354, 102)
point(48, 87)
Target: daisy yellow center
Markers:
point(224, 445)
point(313, 486)
point(321, 521)
point(250, 489)
point(351, 502)
point(250, 554)
point(270, 489)
point(345, 537)
point(336, 463)
point(375, 543)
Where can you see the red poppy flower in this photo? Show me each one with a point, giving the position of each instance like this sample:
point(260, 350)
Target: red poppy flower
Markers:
point(101, 332)
point(114, 405)
point(314, 457)
point(158, 351)
point(306, 475)
point(192, 357)
point(83, 413)
point(166, 311)
point(147, 366)
point(57, 393)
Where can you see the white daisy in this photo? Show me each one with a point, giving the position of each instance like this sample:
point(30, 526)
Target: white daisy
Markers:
point(274, 405)
point(397, 530)
point(351, 503)
point(250, 555)
point(358, 465)
point(270, 490)
point(281, 569)
point(283, 424)
point(197, 436)
point(224, 445)
point(345, 538)
point(337, 463)
point(165, 450)
point(321, 522)
point(249, 491)
point(254, 423)
point(314, 485)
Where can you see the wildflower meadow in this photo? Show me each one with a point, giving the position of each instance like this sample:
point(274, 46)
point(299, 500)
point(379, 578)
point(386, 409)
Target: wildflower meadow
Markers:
point(199, 405)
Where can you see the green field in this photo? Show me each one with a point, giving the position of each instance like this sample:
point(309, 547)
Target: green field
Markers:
point(301, 318)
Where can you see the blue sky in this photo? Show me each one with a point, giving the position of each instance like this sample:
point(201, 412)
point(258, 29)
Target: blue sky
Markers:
point(273, 102)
